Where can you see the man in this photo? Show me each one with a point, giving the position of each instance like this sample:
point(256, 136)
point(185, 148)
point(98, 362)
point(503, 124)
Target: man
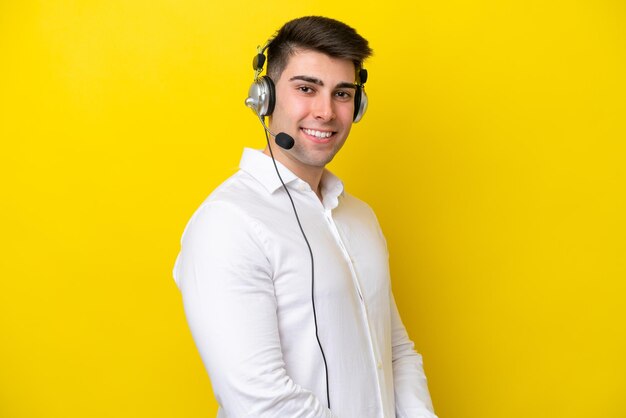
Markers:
point(284, 331)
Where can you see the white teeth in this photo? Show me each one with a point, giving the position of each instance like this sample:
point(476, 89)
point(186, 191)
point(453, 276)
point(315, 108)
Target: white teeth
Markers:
point(318, 134)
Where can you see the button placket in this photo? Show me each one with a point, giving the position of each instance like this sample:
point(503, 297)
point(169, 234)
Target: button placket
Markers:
point(374, 350)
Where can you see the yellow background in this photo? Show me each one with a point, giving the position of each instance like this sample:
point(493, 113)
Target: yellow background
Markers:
point(493, 152)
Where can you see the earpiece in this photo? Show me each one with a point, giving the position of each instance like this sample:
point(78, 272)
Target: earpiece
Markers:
point(262, 96)
point(262, 93)
point(360, 98)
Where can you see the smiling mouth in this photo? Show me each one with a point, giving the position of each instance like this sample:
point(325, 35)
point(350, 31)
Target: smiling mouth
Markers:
point(318, 136)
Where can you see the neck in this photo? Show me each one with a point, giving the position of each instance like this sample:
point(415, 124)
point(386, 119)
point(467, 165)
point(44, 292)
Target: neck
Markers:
point(310, 174)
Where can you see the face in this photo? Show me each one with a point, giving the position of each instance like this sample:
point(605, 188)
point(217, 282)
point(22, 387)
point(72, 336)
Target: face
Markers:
point(315, 105)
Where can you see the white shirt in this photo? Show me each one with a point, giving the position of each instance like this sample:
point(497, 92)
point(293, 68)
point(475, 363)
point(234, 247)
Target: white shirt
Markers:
point(244, 271)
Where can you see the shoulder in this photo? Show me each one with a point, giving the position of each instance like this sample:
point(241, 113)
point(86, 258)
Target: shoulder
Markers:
point(229, 209)
point(221, 236)
point(239, 190)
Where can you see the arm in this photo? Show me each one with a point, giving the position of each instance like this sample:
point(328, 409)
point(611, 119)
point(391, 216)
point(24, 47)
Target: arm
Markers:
point(227, 288)
point(410, 386)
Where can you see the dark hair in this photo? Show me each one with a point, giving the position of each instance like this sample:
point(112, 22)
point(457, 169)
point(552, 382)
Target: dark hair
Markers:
point(317, 33)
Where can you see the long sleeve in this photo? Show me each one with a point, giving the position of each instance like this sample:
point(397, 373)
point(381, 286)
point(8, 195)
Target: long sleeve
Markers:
point(410, 385)
point(226, 282)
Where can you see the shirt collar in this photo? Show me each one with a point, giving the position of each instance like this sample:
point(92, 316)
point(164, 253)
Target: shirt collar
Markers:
point(332, 189)
point(260, 166)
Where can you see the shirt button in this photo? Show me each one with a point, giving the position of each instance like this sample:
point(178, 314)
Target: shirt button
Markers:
point(379, 365)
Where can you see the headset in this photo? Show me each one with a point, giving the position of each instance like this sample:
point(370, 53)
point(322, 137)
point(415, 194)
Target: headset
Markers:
point(262, 93)
point(261, 99)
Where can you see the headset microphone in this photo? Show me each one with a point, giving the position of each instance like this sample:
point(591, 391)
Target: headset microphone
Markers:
point(284, 141)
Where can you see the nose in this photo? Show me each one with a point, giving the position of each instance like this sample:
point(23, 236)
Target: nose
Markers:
point(324, 108)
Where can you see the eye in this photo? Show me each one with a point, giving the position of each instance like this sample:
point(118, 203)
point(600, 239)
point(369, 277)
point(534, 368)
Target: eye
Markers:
point(305, 89)
point(343, 95)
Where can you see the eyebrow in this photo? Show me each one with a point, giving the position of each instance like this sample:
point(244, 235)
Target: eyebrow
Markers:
point(342, 85)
